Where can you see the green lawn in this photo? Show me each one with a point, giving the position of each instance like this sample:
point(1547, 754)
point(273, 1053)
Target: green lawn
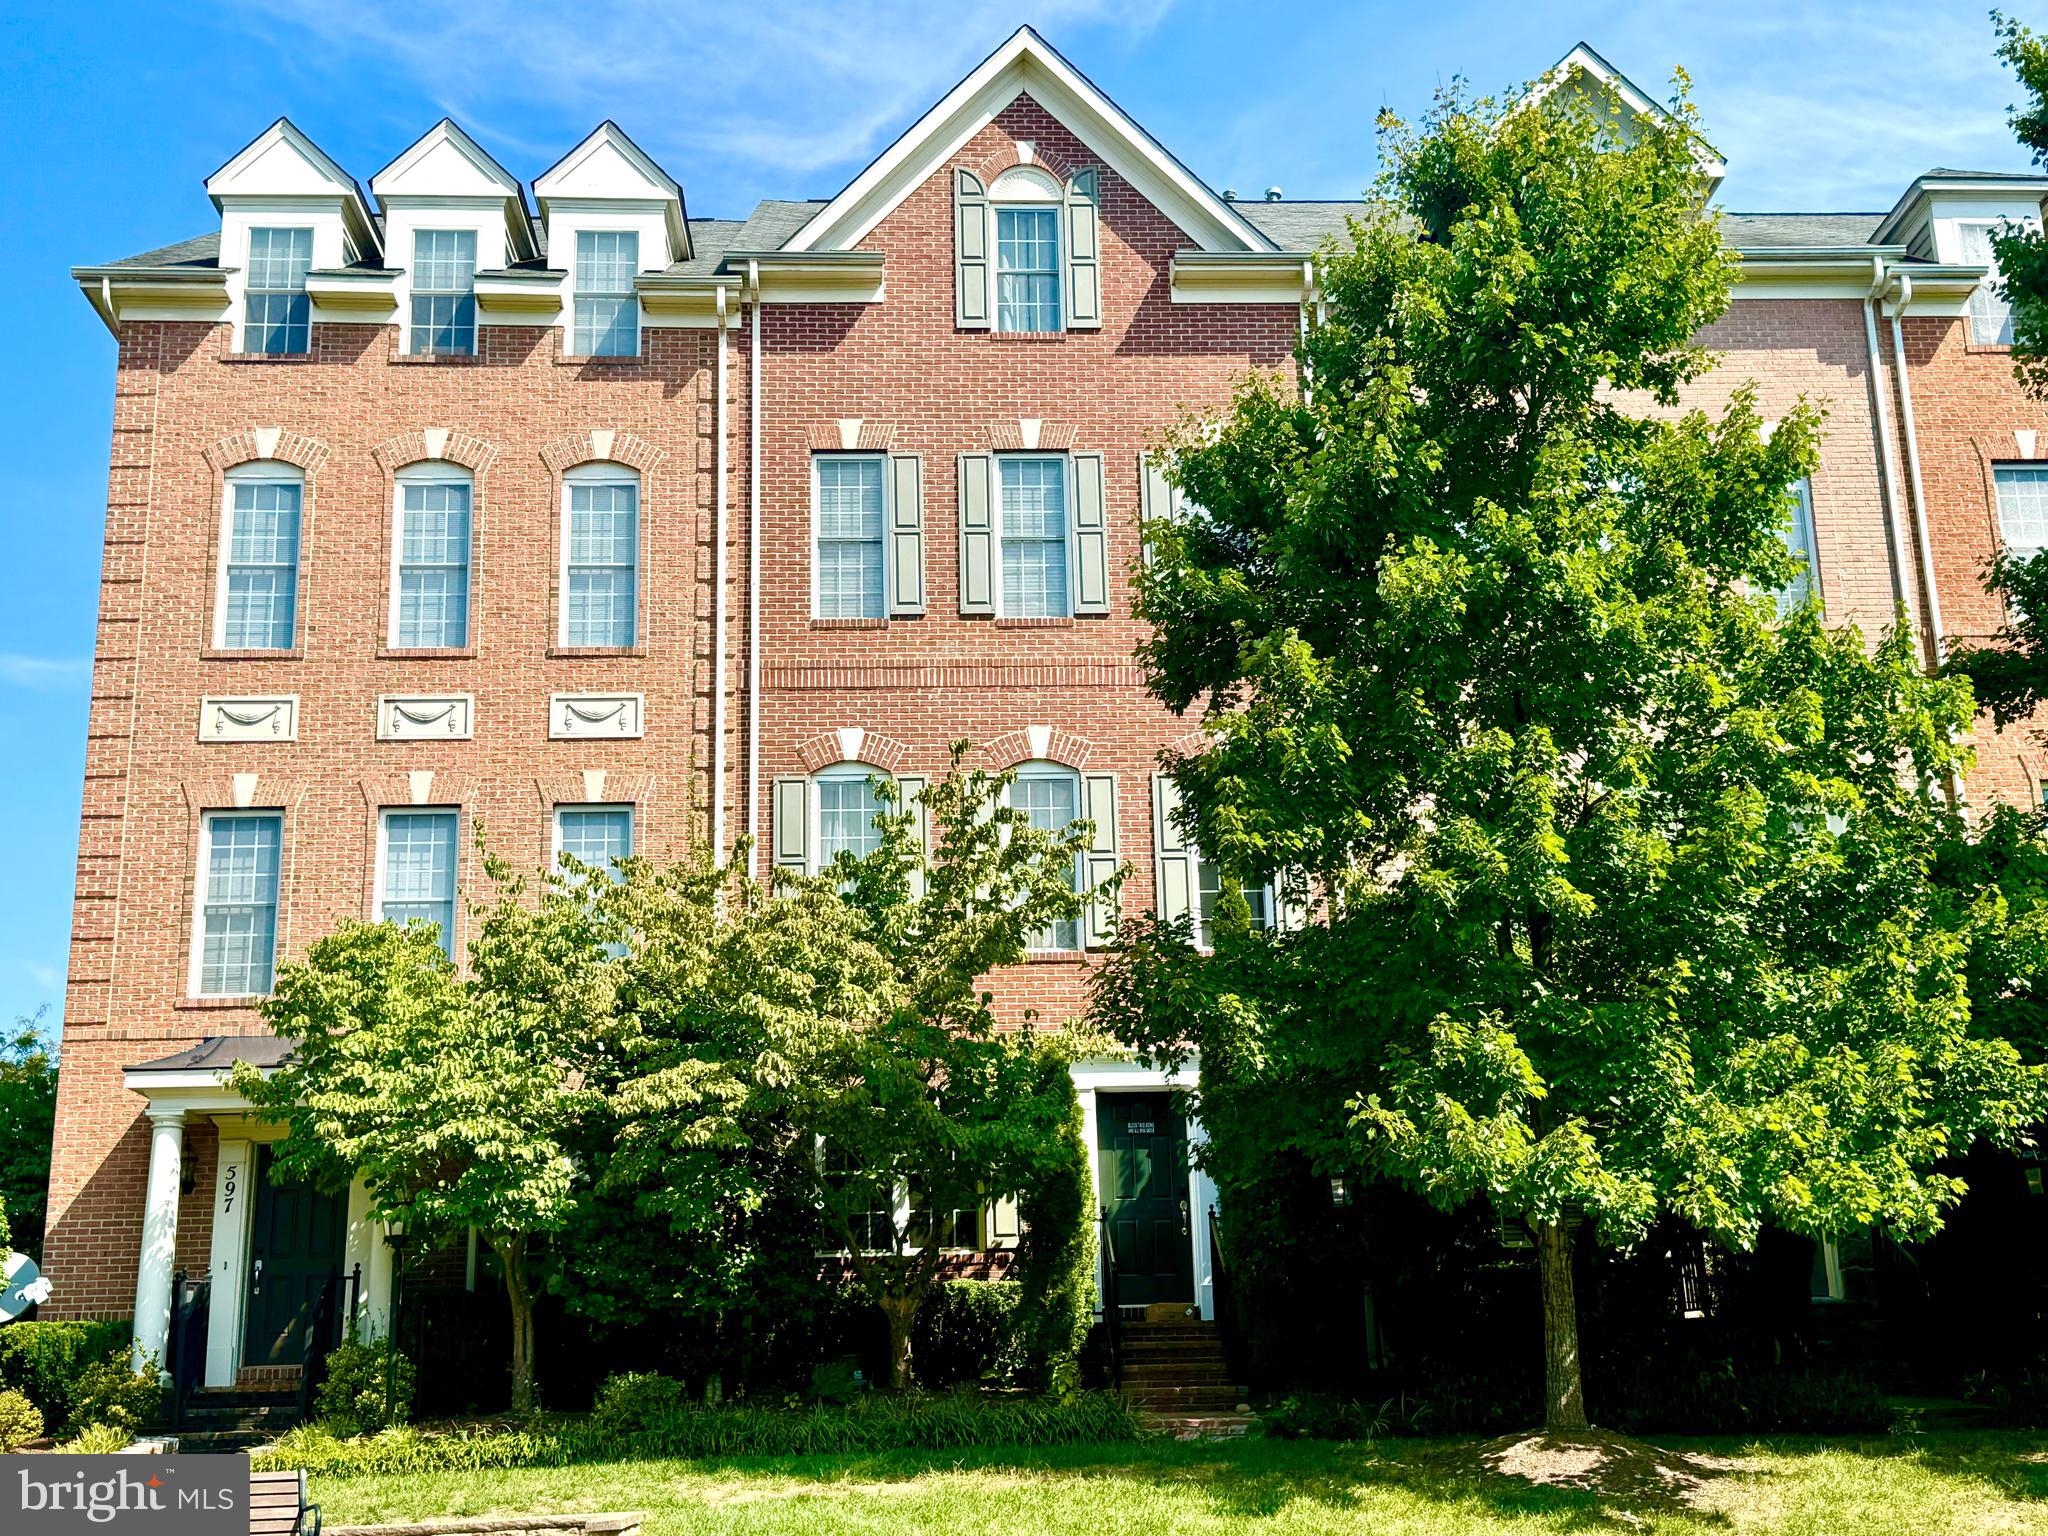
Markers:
point(1929, 1483)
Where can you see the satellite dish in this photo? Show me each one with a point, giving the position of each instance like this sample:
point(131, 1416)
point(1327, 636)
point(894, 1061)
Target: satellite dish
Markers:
point(21, 1286)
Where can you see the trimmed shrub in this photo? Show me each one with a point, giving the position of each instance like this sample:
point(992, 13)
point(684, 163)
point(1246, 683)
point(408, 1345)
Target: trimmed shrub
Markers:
point(632, 1400)
point(98, 1440)
point(967, 1332)
point(20, 1421)
point(879, 1422)
point(2015, 1401)
point(351, 1400)
point(1721, 1399)
point(1055, 1269)
point(112, 1394)
point(43, 1361)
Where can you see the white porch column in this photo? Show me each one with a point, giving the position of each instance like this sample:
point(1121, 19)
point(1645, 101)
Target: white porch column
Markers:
point(228, 1265)
point(159, 1233)
point(366, 1247)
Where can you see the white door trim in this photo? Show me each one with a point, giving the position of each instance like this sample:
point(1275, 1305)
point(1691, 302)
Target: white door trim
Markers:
point(1101, 1076)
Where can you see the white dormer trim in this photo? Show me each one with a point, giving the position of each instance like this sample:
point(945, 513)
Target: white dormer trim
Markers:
point(560, 184)
point(1027, 64)
point(406, 181)
point(1582, 60)
point(250, 178)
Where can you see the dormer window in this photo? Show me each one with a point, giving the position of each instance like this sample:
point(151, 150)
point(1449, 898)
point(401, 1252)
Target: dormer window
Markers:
point(280, 315)
point(1990, 310)
point(1025, 206)
point(607, 321)
point(444, 292)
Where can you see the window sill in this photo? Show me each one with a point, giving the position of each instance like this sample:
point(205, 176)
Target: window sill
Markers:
point(1055, 956)
point(266, 357)
point(1046, 623)
point(849, 623)
point(222, 653)
point(207, 1004)
point(602, 360)
point(426, 653)
point(577, 652)
point(1027, 338)
point(1998, 348)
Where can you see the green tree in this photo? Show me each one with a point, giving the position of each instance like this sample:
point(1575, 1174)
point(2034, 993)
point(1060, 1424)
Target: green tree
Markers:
point(452, 1096)
point(28, 1121)
point(1623, 887)
point(841, 1034)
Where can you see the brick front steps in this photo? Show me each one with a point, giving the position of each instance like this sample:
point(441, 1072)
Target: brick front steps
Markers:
point(1176, 1370)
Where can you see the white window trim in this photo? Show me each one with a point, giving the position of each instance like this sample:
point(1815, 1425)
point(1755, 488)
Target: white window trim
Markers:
point(384, 815)
point(888, 509)
point(207, 821)
point(1046, 768)
point(632, 294)
point(240, 338)
point(405, 314)
point(439, 472)
point(814, 840)
point(1066, 464)
point(555, 825)
point(262, 472)
point(1027, 187)
point(602, 472)
point(1202, 936)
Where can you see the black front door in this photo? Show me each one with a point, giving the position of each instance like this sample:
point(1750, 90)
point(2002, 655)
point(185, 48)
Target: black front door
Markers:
point(294, 1246)
point(1142, 1172)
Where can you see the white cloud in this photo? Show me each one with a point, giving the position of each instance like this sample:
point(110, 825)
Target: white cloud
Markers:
point(788, 88)
point(43, 672)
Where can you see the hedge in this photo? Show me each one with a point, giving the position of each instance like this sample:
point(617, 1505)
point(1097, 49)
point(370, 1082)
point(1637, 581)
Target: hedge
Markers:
point(43, 1361)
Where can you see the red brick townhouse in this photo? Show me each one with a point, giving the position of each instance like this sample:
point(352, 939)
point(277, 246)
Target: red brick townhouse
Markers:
point(613, 528)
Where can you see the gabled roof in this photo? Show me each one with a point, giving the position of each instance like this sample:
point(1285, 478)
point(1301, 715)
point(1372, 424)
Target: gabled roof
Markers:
point(1583, 63)
point(446, 141)
point(609, 139)
point(1906, 211)
point(1027, 63)
point(282, 161)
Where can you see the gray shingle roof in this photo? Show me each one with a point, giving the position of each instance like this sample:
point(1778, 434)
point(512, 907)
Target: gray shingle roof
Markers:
point(220, 1052)
point(1763, 231)
point(772, 222)
point(1303, 225)
point(199, 251)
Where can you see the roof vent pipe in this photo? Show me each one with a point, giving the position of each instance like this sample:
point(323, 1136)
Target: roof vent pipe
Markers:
point(1230, 194)
point(1272, 194)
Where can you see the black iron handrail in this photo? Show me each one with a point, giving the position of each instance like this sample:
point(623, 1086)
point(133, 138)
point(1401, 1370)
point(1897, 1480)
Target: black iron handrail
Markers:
point(322, 1334)
point(186, 1347)
point(1112, 1299)
point(1224, 1294)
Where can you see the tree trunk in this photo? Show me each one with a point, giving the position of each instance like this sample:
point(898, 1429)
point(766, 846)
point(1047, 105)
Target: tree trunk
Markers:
point(901, 1311)
point(512, 1255)
point(1564, 1394)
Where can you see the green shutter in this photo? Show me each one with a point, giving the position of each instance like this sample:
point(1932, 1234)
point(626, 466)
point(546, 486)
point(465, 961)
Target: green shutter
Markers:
point(791, 835)
point(912, 787)
point(970, 252)
point(977, 533)
point(1101, 862)
point(1173, 863)
point(1084, 266)
point(1290, 899)
point(1155, 496)
point(906, 534)
point(1091, 536)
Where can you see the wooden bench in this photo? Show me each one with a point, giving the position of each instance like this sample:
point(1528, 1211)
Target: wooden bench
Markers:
point(278, 1507)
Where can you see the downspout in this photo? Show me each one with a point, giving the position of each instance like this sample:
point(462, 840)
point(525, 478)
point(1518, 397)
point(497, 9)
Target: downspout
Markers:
point(1904, 282)
point(754, 569)
point(718, 599)
point(1901, 592)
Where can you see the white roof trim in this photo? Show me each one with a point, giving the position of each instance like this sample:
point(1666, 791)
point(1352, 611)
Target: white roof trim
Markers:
point(547, 185)
point(447, 131)
point(355, 208)
point(1583, 60)
point(1027, 63)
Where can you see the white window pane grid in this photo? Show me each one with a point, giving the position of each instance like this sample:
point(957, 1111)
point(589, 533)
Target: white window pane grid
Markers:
point(419, 870)
point(1051, 802)
point(850, 539)
point(433, 570)
point(262, 566)
point(1208, 889)
point(847, 808)
point(1990, 313)
point(238, 918)
point(604, 533)
point(279, 314)
point(595, 837)
point(443, 292)
point(1799, 539)
point(1027, 269)
point(1034, 530)
point(607, 312)
point(2022, 508)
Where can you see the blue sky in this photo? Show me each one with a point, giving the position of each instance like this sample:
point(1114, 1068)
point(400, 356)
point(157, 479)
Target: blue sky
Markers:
point(114, 114)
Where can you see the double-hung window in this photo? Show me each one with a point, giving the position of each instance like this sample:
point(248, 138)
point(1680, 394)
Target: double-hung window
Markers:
point(847, 808)
point(1258, 895)
point(595, 835)
point(1036, 547)
point(418, 882)
point(607, 312)
point(278, 317)
point(444, 292)
point(258, 599)
point(850, 536)
point(1027, 269)
point(1050, 798)
point(1990, 311)
point(239, 859)
point(1798, 536)
point(430, 588)
point(600, 557)
point(2022, 508)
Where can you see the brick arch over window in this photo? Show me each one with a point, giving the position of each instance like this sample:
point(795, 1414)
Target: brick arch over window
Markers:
point(852, 744)
point(435, 445)
point(1004, 157)
point(273, 444)
point(601, 445)
point(1193, 744)
point(1040, 743)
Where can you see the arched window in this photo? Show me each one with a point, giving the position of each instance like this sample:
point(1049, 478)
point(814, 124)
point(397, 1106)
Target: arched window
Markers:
point(430, 557)
point(1024, 208)
point(844, 806)
point(1049, 795)
point(600, 557)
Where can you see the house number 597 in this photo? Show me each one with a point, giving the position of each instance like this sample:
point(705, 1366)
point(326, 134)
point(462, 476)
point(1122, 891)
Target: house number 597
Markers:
point(228, 1185)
